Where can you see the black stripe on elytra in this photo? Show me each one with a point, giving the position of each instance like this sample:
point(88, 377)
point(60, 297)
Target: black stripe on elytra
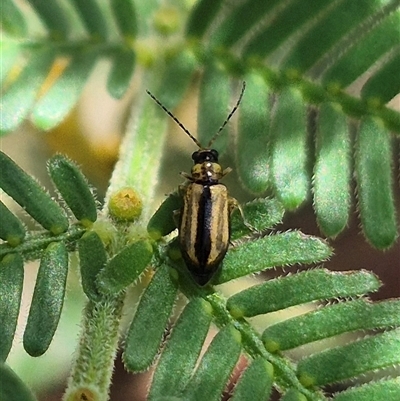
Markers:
point(202, 244)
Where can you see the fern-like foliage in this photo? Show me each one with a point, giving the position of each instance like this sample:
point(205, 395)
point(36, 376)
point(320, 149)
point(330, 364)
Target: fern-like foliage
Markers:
point(44, 77)
point(109, 263)
point(339, 59)
point(316, 73)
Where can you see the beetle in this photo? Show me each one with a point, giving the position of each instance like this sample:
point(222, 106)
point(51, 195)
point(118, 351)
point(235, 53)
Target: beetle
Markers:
point(204, 221)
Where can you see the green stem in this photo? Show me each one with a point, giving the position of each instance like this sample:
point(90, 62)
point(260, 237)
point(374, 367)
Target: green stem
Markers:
point(140, 158)
point(285, 373)
point(141, 151)
point(34, 244)
point(138, 165)
point(91, 374)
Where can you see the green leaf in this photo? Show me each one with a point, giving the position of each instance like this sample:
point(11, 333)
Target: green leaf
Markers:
point(52, 108)
point(92, 18)
point(388, 390)
point(19, 98)
point(12, 20)
point(125, 267)
point(365, 53)
point(11, 228)
point(341, 18)
point(123, 63)
point(299, 288)
point(293, 395)
point(213, 108)
point(252, 156)
point(379, 86)
point(11, 283)
point(374, 183)
point(125, 17)
point(255, 382)
point(201, 17)
point(332, 320)
point(271, 251)
point(351, 360)
point(53, 16)
point(176, 78)
point(151, 318)
point(92, 258)
point(239, 21)
point(332, 171)
point(47, 300)
point(162, 222)
point(216, 366)
point(260, 213)
point(289, 149)
point(12, 388)
point(282, 23)
point(73, 187)
point(181, 351)
point(31, 196)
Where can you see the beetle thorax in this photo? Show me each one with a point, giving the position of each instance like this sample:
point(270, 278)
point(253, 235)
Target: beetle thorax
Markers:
point(207, 172)
point(206, 167)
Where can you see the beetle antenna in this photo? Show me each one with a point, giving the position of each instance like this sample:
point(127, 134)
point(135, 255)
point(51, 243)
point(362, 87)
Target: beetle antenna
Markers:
point(175, 119)
point(229, 117)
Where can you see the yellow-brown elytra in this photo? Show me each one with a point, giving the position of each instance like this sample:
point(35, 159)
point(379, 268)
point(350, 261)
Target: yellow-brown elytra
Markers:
point(204, 223)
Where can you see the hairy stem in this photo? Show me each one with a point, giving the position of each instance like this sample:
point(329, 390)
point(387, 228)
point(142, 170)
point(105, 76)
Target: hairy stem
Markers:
point(140, 158)
point(91, 374)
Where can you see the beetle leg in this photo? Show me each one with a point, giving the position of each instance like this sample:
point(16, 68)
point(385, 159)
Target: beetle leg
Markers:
point(226, 171)
point(234, 204)
point(186, 175)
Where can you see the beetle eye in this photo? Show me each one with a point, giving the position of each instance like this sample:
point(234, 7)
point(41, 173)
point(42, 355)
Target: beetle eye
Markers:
point(195, 156)
point(214, 154)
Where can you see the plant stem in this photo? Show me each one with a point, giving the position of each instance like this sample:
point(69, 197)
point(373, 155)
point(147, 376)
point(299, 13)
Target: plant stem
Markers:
point(91, 374)
point(140, 158)
point(141, 151)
